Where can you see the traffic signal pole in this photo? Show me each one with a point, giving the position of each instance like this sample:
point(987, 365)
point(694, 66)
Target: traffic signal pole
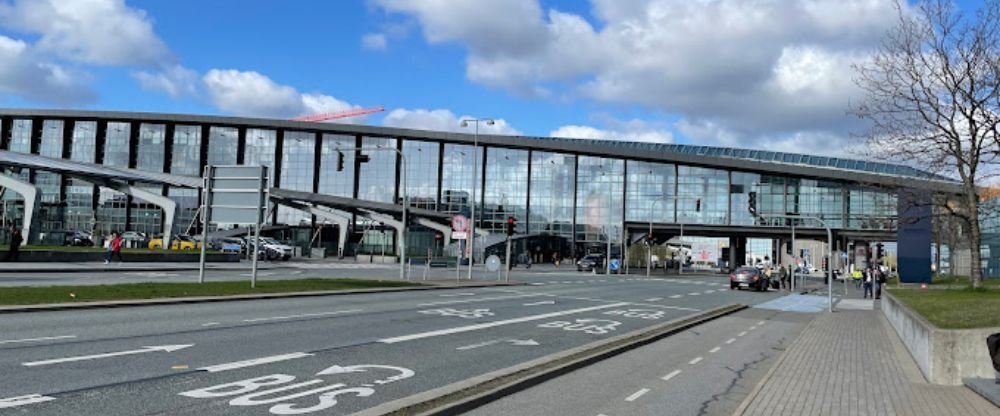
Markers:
point(507, 275)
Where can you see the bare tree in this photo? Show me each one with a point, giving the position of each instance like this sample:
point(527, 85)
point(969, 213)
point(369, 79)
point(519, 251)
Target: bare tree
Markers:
point(933, 99)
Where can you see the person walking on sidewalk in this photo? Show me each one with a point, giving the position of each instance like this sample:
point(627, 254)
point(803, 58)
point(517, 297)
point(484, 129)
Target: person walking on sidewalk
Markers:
point(869, 281)
point(14, 252)
point(857, 276)
point(880, 279)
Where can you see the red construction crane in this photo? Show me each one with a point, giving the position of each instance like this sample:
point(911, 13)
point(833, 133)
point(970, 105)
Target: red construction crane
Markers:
point(340, 114)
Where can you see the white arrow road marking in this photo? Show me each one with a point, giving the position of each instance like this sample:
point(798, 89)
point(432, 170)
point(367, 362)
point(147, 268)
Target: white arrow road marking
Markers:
point(636, 395)
point(451, 295)
point(476, 327)
point(164, 348)
point(255, 361)
point(544, 302)
point(517, 342)
point(671, 375)
point(451, 302)
point(304, 315)
point(23, 400)
point(404, 373)
point(15, 341)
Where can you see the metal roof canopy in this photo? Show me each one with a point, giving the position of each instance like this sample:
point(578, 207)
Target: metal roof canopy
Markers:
point(353, 205)
point(79, 169)
point(788, 164)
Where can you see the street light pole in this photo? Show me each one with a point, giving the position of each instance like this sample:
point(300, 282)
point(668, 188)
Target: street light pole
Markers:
point(475, 178)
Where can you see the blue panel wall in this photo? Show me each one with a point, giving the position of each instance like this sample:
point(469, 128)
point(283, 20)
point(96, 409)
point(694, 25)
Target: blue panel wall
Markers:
point(914, 237)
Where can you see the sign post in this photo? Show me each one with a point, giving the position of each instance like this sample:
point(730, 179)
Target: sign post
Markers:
point(234, 195)
point(459, 226)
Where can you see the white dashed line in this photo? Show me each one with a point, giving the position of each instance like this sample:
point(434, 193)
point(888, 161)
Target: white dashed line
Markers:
point(695, 361)
point(451, 295)
point(694, 294)
point(671, 375)
point(452, 302)
point(23, 400)
point(760, 323)
point(709, 291)
point(730, 340)
point(16, 341)
point(715, 350)
point(636, 395)
point(305, 315)
point(753, 327)
point(654, 299)
point(676, 296)
point(211, 324)
point(741, 334)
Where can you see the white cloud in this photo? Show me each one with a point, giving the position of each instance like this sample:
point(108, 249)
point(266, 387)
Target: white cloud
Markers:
point(442, 120)
point(25, 74)
point(249, 93)
point(754, 67)
point(176, 81)
point(813, 142)
point(374, 41)
point(632, 131)
point(101, 32)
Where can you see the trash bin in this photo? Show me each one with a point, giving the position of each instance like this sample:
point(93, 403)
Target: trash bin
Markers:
point(993, 343)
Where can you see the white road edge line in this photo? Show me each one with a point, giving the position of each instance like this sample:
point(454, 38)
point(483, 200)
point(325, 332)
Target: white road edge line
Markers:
point(24, 400)
point(452, 302)
point(741, 334)
point(695, 361)
point(475, 327)
point(753, 327)
point(304, 315)
point(671, 375)
point(451, 295)
point(15, 341)
point(715, 350)
point(760, 323)
point(256, 361)
point(730, 340)
point(636, 395)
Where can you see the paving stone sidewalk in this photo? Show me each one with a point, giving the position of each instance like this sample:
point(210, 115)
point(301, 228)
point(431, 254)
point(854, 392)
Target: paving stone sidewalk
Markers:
point(851, 363)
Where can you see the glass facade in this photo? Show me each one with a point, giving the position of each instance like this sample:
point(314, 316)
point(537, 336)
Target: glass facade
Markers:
point(377, 178)
point(553, 185)
point(297, 165)
point(506, 189)
point(581, 199)
point(421, 173)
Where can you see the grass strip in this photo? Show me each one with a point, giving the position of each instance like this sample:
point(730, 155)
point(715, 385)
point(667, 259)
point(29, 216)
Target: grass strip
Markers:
point(954, 308)
point(29, 295)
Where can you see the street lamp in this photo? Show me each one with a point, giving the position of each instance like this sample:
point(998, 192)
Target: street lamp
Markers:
point(475, 178)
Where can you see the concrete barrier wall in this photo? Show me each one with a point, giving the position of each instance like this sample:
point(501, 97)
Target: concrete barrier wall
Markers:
point(945, 356)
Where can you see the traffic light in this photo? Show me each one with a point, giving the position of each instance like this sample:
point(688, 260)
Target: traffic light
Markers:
point(752, 203)
point(878, 251)
point(511, 223)
point(340, 161)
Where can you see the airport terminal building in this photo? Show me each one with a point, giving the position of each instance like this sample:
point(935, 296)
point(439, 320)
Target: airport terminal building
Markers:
point(568, 196)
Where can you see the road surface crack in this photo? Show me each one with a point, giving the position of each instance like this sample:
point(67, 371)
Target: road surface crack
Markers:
point(739, 373)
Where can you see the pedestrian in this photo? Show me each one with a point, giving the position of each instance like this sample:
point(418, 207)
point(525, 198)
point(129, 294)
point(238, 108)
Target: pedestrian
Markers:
point(14, 252)
point(555, 258)
point(114, 248)
point(857, 275)
point(528, 263)
point(881, 278)
point(869, 281)
point(783, 275)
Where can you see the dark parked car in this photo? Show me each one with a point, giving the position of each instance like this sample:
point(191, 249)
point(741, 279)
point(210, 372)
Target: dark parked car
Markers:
point(67, 238)
point(749, 277)
point(590, 262)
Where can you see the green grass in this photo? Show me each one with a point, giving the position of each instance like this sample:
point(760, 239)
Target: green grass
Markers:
point(84, 249)
point(954, 308)
point(77, 294)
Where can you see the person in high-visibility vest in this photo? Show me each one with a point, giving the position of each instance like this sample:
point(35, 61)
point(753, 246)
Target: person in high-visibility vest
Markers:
point(857, 275)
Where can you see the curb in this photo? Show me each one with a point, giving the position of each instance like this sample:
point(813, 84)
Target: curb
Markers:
point(770, 373)
point(125, 269)
point(231, 298)
point(463, 396)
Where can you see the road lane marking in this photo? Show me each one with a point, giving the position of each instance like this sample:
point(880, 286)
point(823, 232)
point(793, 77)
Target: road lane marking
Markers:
point(304, 315)
point(449, 331)
point(760, 323)
point(654, 299)
point(451, 295)
point(544, 302)
point(694, 294)
point(715, 350)
point(695, 361)
point(211, 324)
point(753, 327)
point(636, 395)
point(15, 341)
point(256, 361)
point(163, 348)
point(741, 334)
point(676, 296)
point(730, 340)
point(24, 400)
point(709, 291)
point(452, 302)
point(671, 375)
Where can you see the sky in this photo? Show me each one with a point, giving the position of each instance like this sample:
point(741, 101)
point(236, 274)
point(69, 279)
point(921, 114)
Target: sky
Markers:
point(766, 74)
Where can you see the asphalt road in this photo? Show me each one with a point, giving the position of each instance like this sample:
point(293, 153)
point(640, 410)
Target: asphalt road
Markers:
point(336, 354)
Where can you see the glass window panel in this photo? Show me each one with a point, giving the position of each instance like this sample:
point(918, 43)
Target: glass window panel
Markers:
point(552, 189)
point(378, 175)
point(421, 173)
point(457, 178)
point(186, 153)
point(332, 181)
point(702, 195)
point(650, 192)
point(599, 192)
point(297, 165)
point(222, 146)
point(116, 144)
point(506, 189)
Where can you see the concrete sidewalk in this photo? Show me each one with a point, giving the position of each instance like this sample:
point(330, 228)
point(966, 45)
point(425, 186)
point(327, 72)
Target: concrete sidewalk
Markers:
point(852, 363)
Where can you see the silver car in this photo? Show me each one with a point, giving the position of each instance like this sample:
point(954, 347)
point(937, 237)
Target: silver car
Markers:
point(748, 277)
